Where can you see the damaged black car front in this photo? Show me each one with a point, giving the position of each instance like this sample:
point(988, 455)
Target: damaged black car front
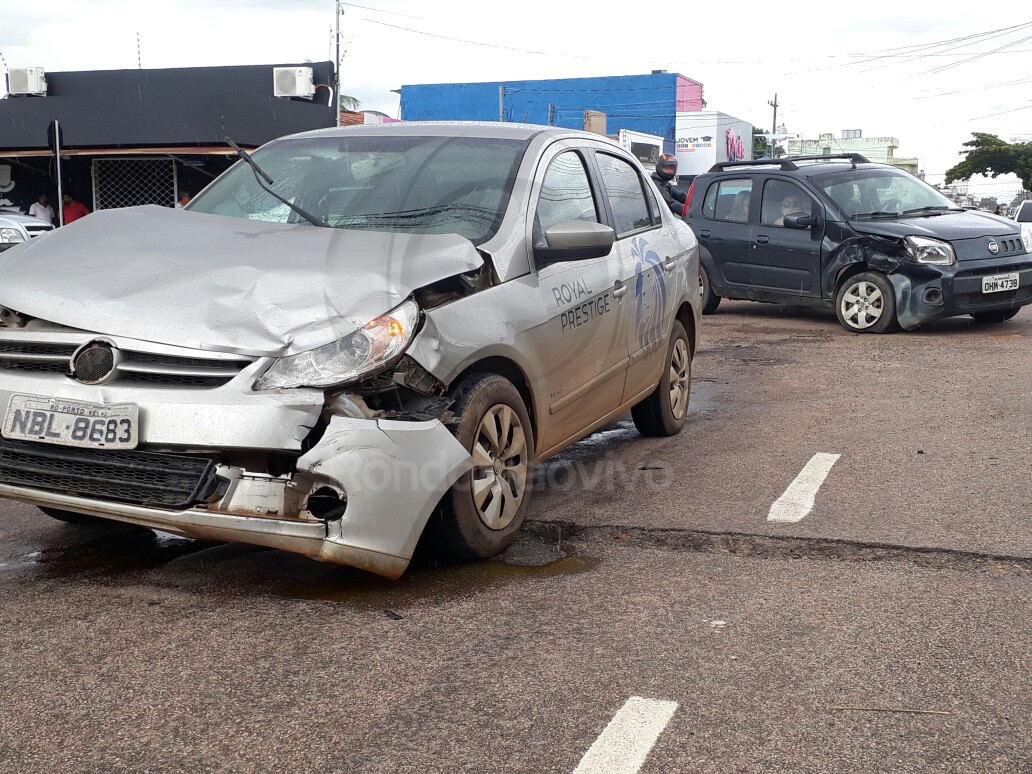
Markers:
point(912, 255)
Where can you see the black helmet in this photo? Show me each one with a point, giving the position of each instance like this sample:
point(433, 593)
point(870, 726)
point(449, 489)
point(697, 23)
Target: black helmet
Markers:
point(666, 167)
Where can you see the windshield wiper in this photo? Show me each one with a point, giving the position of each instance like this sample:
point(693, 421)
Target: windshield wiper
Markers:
point(931, 209)
point(260, 173)
point(878, 214)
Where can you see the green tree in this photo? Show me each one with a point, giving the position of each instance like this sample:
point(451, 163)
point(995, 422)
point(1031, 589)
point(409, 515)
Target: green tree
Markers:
point(760, 146)
point(349, 103)
point(990, 156)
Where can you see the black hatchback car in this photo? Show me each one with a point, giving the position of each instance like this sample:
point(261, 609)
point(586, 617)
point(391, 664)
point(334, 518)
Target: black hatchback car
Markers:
point(878, 244)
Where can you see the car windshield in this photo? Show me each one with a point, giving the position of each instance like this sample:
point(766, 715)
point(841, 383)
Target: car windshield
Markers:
point(425, 185)
point(882, 193)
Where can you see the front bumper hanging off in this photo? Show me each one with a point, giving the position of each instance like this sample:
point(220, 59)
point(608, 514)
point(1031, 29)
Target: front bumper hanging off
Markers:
point(390, 474)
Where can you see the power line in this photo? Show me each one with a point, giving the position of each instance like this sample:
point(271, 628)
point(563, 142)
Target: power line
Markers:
point(377, 10)
point(476, 42)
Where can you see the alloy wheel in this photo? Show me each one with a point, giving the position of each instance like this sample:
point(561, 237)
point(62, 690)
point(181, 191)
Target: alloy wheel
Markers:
point(680, 385)
point(862, 305)
point(499, 467)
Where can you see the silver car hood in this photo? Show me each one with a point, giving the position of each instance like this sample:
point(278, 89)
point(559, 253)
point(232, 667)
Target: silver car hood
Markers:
point(219, 283)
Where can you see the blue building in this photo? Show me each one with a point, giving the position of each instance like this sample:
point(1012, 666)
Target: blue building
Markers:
point(642, 103)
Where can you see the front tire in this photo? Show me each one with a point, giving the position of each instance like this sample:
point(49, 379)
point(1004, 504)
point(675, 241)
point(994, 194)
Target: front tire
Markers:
point(710, 301)
point(482, 514)
point(866, 303)
point(995, 317)
point(664, 412)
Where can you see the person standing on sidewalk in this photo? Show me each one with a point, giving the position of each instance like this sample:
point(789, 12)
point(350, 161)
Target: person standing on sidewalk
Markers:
point(73, 210)
point(41, 210)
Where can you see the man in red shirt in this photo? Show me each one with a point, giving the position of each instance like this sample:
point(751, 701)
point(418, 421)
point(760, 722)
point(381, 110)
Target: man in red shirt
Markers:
point(73, 210)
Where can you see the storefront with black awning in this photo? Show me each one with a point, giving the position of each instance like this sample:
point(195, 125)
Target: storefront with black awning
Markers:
point(131, 137)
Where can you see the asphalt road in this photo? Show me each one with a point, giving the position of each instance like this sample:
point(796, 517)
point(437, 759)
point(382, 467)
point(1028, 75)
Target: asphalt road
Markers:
point(888, 630)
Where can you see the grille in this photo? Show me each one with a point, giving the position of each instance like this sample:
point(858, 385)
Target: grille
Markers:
point(143, 368)
point(48, 358)
point(966, 301)
point(137, 477)
point(93, 363)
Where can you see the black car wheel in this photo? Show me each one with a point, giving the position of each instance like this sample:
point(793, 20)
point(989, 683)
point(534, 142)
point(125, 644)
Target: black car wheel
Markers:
point(866, 303)
point(710, 301)
point(484, 511)
point(995, 317)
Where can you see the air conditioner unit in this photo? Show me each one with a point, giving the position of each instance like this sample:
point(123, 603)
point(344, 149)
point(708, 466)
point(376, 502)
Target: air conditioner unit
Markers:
point(293, 82)
point(26, 80)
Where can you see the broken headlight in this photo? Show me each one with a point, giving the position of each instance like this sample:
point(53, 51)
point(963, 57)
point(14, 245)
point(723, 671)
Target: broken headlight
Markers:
point(364, 352)
point(933, 251)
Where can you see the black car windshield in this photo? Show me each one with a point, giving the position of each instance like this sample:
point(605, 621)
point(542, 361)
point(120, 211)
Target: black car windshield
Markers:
point(425, 185)
point(863, 194)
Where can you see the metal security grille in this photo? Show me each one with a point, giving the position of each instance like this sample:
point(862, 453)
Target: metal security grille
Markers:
point(130, 182)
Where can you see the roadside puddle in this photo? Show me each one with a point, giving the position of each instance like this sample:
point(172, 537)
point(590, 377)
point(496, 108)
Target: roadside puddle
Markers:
point(120, 556)
point(428, 583)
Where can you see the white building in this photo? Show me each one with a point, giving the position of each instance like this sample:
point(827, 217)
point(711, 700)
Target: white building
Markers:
point(880, 149)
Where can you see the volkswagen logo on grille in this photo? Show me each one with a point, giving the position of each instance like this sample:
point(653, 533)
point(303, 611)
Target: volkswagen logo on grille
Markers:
point(993, 247)
point(95, 362)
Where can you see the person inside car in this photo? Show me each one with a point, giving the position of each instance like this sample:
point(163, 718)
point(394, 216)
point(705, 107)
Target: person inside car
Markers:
point(740, 208)
point(790, 205)
point(666, 170)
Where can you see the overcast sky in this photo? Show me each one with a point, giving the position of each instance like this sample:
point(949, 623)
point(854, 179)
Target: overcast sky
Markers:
point(926, 73)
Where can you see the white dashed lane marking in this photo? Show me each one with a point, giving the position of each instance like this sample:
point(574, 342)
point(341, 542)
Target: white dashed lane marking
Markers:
point(628, 739)
point(798, 499)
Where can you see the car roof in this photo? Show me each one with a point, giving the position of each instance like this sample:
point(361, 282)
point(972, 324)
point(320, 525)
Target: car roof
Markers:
point(486, 129)
point(804, 166)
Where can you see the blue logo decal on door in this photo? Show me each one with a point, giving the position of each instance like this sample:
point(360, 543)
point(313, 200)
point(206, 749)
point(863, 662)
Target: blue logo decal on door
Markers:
point(650, 291)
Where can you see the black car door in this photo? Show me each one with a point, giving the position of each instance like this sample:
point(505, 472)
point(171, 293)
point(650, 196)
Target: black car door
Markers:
point(724, 231)
point(786, 260)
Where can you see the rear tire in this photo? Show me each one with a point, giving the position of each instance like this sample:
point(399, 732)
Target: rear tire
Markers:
point(995, 317)
point(710, 301)
point(70, 517)
point(481, 515)
point(866, 303)
point(664, 412)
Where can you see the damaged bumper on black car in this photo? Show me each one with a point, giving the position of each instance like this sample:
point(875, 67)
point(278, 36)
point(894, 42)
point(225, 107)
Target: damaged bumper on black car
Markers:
point(926, 293)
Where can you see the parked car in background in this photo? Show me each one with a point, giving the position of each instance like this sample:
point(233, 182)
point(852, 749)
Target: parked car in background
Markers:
point(16, 228)
point(1023, 212)
point(878, 245)
point(355, 333)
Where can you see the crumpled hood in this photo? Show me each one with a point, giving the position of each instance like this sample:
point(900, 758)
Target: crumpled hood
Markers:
point(227, 284)
point(950, 227)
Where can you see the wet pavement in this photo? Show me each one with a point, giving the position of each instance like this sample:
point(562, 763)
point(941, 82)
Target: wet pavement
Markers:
point(887, 630)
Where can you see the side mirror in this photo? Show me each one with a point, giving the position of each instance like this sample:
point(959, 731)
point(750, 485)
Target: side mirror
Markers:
point(800, 222)
point(575, 240)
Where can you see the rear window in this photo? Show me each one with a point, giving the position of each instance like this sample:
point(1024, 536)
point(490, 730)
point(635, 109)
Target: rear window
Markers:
point(728, 200)
point(1024, 213)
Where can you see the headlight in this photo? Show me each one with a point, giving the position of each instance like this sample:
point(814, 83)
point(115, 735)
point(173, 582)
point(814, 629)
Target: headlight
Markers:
point(365, 351)
point(8, 235)
point(933, 251)
point(1026, 236)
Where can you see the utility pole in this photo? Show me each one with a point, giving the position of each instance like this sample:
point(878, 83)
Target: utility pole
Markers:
point(773, 126)
point(336, 68)
point(501, 102)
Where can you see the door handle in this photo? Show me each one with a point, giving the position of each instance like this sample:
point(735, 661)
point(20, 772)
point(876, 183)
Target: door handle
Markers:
point(704, 234)
point(669, 264)
point(762, 240)
point(619, 289)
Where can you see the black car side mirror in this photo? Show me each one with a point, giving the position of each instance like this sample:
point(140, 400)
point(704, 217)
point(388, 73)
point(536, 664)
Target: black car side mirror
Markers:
point(574, 240)
point(800, 221)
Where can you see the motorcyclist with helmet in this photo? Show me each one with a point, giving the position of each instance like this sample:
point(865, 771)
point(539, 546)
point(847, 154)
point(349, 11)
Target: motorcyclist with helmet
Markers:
point(666, 171)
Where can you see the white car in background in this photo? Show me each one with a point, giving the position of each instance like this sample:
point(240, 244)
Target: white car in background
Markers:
point(16, 228)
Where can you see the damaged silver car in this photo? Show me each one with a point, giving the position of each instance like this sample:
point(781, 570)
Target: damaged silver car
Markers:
point(354, 334)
